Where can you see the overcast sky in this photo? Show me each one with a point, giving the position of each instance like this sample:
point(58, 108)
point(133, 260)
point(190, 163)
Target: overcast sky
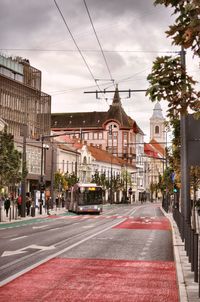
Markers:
point(131, 33)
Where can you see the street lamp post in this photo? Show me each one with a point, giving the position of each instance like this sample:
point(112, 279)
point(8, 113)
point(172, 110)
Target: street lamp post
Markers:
point(41, 175)
point(23, 182)
point(110, 131)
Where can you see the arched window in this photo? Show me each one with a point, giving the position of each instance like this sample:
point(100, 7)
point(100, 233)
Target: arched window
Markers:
point(85, 160)
point(157, 129)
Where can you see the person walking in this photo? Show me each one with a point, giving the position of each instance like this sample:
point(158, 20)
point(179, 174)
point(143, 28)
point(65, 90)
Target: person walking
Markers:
point(28, 205)
point(7, 205)
point(19, 205)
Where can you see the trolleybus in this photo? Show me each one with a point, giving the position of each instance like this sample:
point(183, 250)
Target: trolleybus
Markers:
point(85, 197)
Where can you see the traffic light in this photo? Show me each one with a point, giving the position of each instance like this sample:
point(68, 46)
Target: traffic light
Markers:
point(175, 189)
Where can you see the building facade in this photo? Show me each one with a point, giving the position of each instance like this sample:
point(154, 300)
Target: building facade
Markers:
point(112, 131)
point(26, 110)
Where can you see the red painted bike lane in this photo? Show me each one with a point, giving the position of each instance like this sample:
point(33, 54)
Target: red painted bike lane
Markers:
point(99, 280)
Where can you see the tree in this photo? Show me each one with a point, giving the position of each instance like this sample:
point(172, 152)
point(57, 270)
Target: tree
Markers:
point(60, 181)
point(186, 29)
point(10, 161)
point(174, 157)
point(70, 180)
point(169, 81)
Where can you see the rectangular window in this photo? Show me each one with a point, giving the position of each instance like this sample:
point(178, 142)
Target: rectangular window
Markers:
point(86, 136)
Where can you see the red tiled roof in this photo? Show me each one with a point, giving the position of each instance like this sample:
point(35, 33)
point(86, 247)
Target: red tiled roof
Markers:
point(160, 149)
point(97, 153)
point(150, 151)
point(104, 156)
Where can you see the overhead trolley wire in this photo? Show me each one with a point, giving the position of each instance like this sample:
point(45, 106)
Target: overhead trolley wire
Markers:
point(111, 78)
point(80, 52)
point(90, 50)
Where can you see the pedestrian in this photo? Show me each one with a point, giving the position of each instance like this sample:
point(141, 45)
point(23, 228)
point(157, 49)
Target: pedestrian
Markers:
point(48, 205)
point(57, 202)
point(28, 205)
point(19, 205)
point(7, 205)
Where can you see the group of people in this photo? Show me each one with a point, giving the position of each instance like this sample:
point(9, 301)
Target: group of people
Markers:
point(7, 204)
point(28, 205)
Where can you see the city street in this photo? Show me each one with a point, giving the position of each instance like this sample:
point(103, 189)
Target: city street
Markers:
point(124, 254)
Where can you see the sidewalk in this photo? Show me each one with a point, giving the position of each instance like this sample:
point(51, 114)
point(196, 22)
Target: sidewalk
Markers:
point(7, 220)
point(188, 289)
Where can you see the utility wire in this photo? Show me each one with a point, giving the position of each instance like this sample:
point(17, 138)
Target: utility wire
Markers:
point(111, 78)
point(90, 50)
point(80, 52)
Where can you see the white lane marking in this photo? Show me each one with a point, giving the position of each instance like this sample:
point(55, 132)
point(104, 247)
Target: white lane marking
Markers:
point(24, 249)
point(13, 239)
point(58, 228)
point(40, 227)
point(5, 281)
point(88, 226)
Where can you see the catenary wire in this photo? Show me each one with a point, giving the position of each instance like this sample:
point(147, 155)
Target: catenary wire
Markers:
point(92, 24)
point(90, 50)
point(79, 50)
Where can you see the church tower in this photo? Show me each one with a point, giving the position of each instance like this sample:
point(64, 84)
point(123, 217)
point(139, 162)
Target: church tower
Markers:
point(157, 124)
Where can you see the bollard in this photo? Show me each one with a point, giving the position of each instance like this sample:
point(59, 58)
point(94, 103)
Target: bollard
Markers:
point(192, 250)
point(10, 214)
point(182, 227)
point(196, 266)
point(189, 242)
point(186, 238)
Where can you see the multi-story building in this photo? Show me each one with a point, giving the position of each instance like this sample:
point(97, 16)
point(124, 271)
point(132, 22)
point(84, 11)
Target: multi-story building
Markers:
point(113, 131)
point(25, 109)
point(86, 161)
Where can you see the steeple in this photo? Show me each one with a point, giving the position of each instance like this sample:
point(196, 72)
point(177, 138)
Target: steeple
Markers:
point(157, 124)
point(116, 98)
point(157, 112)
point(116, 112)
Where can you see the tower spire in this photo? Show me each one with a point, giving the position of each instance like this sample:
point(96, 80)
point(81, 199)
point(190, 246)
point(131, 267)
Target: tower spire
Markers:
point(116, 98)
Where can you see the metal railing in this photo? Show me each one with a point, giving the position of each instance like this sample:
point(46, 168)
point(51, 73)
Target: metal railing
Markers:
point(190, 237)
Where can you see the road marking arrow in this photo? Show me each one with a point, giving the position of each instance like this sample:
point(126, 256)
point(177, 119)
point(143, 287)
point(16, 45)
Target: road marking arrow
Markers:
point(24, 249)
point(11, 253)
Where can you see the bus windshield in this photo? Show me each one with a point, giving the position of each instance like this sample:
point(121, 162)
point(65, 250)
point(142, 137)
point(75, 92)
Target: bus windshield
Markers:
point(90, 195)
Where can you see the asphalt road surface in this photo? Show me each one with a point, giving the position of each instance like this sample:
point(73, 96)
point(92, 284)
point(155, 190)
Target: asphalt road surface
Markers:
point(124, 254)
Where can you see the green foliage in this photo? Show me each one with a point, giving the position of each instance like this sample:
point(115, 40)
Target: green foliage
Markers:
point(169, 81)
point(70, 179)
point(165, 181)
point(10, 161)
point(126, 178)
point(100, 179)
point(60, 182)
point(195, 179)
point(186, 29)
point(175, 157)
